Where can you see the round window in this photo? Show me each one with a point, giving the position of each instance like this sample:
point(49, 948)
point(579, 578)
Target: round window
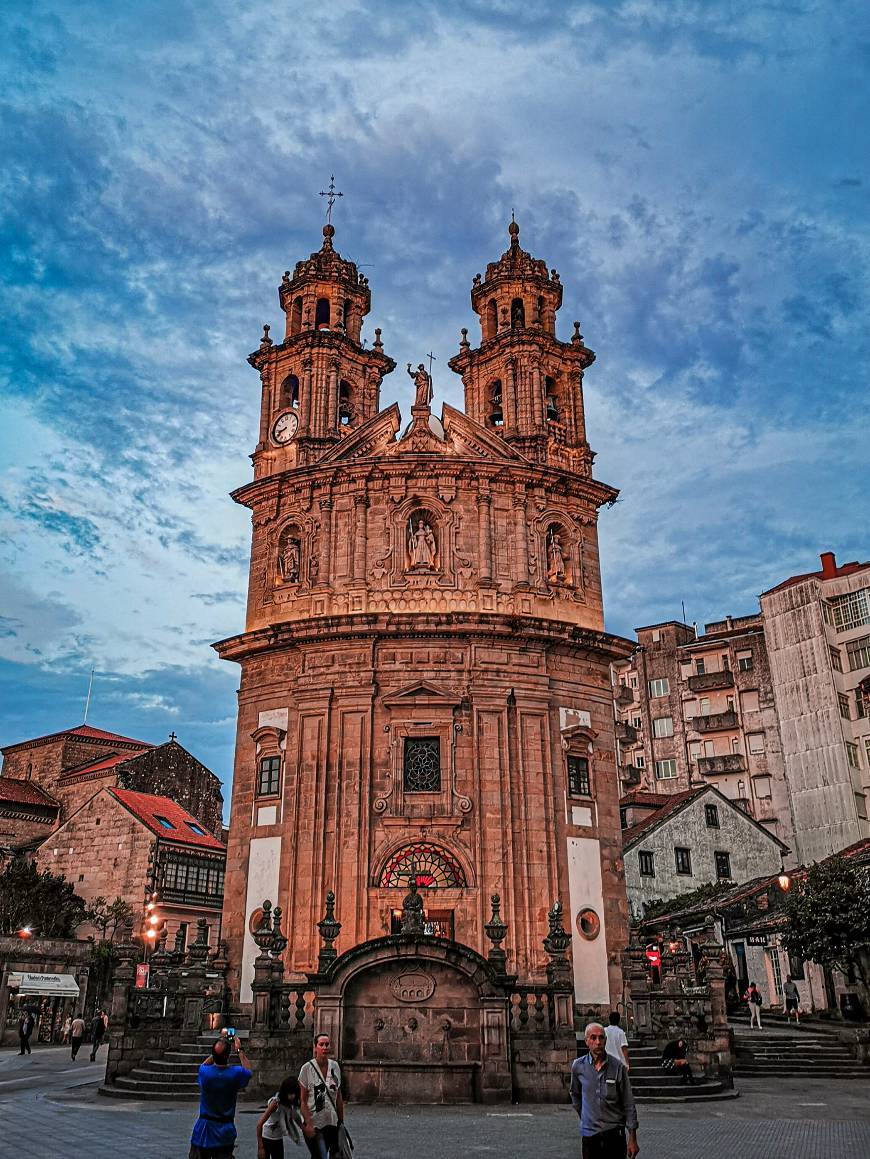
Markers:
point(588, 924)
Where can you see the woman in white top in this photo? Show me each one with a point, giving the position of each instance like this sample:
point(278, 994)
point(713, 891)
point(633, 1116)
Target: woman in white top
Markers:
point(322, 1104)
point(280, 1120)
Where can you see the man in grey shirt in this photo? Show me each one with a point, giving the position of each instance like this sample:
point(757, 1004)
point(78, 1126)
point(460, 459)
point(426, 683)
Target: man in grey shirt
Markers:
point(601, 1094)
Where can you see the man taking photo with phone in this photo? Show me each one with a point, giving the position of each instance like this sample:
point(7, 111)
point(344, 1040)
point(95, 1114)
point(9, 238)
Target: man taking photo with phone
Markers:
point(223, 1074)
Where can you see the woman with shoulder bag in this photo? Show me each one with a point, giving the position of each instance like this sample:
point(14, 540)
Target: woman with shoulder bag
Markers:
point(323, 1106)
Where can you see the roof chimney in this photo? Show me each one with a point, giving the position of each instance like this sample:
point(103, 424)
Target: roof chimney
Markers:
point(829, 564)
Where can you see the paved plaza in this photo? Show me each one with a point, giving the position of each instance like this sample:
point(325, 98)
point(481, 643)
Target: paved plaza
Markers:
point(49, 1109)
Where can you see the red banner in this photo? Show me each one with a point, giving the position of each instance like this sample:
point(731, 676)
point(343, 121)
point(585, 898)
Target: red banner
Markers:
point(142, 972)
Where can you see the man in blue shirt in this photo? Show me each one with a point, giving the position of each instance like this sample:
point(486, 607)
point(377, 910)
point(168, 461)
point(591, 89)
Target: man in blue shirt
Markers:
point(601, 1094)
point(220, 1080)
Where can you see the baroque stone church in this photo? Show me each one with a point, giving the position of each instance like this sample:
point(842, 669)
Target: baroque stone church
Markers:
point(425, 692)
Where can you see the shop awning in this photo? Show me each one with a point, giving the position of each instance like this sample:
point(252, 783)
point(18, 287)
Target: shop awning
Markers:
point(57, 985)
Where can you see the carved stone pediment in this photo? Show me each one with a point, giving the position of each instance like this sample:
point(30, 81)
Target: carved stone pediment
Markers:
point(368, 441)
point(470, 440)
point(422, 693)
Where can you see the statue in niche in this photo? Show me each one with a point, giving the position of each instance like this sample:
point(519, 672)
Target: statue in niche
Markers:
point(422, 546)
point(412, 910)
point(423, 383)
point(289, 561)
point(555, 558)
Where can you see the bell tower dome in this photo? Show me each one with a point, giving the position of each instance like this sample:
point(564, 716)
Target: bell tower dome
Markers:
point(321, 382)
point(522, 382)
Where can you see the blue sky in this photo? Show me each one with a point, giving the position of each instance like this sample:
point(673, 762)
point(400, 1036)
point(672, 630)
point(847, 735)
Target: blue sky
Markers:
point(697, 171)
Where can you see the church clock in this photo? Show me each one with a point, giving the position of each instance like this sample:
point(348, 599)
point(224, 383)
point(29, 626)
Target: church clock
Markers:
point(285, 427)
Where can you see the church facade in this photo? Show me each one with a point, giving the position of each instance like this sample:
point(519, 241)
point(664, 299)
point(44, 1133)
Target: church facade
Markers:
point(425, 693)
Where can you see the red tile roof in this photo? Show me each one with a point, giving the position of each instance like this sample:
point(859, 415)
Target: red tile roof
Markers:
point(25, 793)
point(644, 797)
point(86, 732)
point(99, 766)
point(673, 803)
point(147, 808)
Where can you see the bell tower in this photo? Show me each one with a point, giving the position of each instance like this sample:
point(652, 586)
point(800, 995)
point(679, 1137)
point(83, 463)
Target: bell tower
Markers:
point(522, 382)
point(321, 382)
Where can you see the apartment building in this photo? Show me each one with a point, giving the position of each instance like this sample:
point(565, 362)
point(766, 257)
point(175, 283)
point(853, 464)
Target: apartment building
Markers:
point(817, 632)
point(699, 709)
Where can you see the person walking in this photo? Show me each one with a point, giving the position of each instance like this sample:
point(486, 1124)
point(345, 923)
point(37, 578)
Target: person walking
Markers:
point(26, 1024)
point(76, 1034)
point(617, 1043)
point(322, 1104)
point(792, 1000)
point(753, 998)
point(601, 1095)
point(67, 1023)
point(220, 1079)
point(282, 1119)
point(98, 1031)
point(675, 1060)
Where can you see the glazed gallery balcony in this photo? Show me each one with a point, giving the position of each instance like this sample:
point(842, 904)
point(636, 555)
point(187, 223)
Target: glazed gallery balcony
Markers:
point(625, 732)
point(729, 763)
point(710, 681)
point(714, 721)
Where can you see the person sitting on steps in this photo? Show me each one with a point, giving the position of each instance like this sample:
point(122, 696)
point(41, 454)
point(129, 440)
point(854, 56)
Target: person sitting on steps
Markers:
point(675, 1061)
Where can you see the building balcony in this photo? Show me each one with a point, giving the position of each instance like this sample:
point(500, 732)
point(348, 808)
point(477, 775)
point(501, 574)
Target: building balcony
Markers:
point(714, 721)
point(630, 775)
point(729, 763)
point(625, 733)
point(624, 695)
point(710, 681)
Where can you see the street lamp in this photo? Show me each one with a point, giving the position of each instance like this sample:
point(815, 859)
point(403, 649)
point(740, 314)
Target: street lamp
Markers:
point(784, 882)
point(25, 932)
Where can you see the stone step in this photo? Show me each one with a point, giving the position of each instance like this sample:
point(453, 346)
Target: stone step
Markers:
point(146, 1081)
point(169, 1067)
point(700, 1092)
point(750, 1071)
point(132, 1090)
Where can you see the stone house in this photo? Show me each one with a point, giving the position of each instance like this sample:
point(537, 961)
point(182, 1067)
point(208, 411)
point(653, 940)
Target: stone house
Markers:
point(129, 844)
point(674, 843)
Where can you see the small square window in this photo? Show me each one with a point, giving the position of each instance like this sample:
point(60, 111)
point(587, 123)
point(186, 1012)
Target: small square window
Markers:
point(197, 829)
point(578, 777)
point(744, 661)
point(843, 701)
point(663, 726)
point(682, 860)
point(711, 816)
point(269, 783)
point(639, 760)
point(723, 866)
point(660, 687)
point(755, 742)
point(666, 770)
point(836, 659)
point(647, 863)
point(164, 821)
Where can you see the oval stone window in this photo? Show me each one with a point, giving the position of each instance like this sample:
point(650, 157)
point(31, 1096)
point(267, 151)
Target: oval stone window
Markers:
point(588, 924)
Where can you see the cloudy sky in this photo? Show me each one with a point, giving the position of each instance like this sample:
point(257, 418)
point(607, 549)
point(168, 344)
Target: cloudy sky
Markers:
point(697, 171)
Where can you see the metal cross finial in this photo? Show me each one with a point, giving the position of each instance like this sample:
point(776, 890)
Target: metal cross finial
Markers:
point(330, 194)
point(432, 359)
point(513, 219)
point(172, 736)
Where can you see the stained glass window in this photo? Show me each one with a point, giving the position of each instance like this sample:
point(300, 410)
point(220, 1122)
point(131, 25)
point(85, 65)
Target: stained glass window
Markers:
point(426, 864)
point(422, 772)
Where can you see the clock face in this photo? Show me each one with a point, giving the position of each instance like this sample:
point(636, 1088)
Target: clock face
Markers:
point(285, 427)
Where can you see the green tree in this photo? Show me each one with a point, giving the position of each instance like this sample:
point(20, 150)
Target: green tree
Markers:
point(829, 917)
point(108, 916)
point(46, 903)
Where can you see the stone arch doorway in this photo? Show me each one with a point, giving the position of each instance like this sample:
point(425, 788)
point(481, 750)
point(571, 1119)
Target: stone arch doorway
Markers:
point(417, 1022)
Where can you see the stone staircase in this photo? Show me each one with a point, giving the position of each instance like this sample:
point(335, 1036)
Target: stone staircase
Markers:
point(172, 1076)
point(775, 1053)
point(651, 1084)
